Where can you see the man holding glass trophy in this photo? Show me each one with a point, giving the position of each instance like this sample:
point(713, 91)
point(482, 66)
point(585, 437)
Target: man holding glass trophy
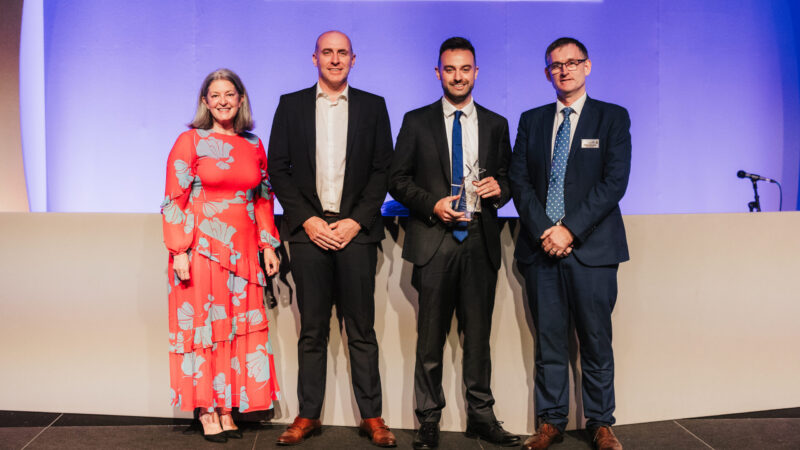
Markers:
point(450, 169)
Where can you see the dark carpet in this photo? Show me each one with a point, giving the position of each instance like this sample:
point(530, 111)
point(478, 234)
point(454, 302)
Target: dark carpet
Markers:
point(778, 429)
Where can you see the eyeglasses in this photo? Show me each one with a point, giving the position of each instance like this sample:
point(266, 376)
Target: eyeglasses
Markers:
point(571, 65)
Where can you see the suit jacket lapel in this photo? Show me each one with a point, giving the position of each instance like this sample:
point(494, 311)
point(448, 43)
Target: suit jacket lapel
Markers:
point(353, 117)
point(440, 137)
point(585, 122)
point(310, 125)
point(546, 132)
point(484, 133)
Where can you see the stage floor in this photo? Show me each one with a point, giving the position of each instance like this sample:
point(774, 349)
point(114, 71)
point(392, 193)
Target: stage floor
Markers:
point(776, 429)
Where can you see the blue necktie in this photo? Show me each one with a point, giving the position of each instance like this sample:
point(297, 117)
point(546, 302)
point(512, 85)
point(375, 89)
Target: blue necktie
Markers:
point(460, 230)
point(555, 189)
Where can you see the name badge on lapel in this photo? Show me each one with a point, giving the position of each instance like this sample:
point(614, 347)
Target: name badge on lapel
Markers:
point(590, 143)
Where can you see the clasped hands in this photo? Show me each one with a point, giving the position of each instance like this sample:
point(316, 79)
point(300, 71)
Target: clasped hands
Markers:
point(180, 264)
point(485, 188)
point(557, 241)
point(333, 236)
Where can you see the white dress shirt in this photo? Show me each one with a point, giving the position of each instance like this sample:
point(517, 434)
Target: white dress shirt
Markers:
point(469, 144)
point(331, 125)
point(577, 107)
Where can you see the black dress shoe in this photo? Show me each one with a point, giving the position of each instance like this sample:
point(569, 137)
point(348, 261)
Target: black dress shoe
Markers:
point(234, 434)
point(427, 436)
point(492, 432)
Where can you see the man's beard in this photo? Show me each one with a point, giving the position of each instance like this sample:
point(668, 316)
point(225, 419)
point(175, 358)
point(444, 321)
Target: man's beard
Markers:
point(454, 98)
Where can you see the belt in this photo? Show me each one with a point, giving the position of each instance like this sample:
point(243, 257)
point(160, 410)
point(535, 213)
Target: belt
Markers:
point(330, 214)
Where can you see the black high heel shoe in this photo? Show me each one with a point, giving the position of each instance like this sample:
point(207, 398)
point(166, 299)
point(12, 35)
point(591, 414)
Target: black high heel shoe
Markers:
point(233, 434)
point(220, 437)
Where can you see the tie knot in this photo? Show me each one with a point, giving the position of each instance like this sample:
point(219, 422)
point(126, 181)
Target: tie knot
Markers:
point(458, 114)
point(567, 111)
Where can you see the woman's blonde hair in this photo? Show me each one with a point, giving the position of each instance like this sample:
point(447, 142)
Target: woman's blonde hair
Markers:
point(244, 117)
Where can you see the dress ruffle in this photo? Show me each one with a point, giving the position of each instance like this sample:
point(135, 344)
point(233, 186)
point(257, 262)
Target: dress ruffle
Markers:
point(244, 266)
point(215, 308)
point(237, 374)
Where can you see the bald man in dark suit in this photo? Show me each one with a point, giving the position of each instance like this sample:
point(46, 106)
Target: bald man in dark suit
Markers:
point(329, 153)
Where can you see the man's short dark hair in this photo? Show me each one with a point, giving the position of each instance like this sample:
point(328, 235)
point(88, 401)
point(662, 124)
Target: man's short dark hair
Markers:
point(562, 41)
point(456, 43)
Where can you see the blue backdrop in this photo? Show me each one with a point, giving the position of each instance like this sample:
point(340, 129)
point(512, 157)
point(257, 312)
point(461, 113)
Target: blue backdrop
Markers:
point(711, 86)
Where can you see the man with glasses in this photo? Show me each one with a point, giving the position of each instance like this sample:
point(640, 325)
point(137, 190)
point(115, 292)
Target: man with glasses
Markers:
point(569, 171)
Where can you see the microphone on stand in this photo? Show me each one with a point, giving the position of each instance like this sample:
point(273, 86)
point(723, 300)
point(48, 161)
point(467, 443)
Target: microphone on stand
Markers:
point(755, 205)
point(754, 177)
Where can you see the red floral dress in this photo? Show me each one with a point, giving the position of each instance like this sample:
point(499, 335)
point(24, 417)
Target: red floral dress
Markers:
point(218, 209)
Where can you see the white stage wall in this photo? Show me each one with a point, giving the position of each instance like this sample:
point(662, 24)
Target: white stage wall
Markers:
point(705, 323)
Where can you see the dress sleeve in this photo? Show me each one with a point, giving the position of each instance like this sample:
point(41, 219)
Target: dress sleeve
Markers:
point(176, 209)
point(265, 218)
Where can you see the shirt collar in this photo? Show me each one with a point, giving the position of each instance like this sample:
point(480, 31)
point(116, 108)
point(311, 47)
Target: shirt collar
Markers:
point(449, 109)
point(345, 94)
point(577, 105)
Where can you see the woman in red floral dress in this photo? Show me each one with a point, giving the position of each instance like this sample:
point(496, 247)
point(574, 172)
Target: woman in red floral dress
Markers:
point(218, 216)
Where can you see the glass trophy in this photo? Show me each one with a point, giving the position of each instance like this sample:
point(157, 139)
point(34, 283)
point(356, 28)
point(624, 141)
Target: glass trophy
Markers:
point(474, 173)
point(460, 203)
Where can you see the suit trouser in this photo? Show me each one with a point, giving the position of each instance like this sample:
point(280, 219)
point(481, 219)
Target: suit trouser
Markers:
point(459, 277)
point(557, 290)
point(345, 278)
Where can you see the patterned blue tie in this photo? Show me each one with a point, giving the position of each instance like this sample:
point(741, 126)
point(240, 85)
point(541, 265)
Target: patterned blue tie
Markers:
point(460, 230)
point(555, 189)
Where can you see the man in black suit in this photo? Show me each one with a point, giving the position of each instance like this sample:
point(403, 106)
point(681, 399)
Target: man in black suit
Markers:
point(329, 152)
point(569, 171)
point(455, 259)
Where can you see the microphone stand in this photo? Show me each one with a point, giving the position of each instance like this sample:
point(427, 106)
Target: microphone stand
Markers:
point(755, 204)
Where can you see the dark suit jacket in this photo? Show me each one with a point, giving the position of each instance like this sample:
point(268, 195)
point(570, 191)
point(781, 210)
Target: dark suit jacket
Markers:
point(292, 162)
point(595, 182)
point(420, 176)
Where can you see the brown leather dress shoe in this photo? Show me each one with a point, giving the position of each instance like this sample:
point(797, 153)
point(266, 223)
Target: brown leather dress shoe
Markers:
point(604, 439)
point(299, 430)
point(545, 436)
point(378, 432)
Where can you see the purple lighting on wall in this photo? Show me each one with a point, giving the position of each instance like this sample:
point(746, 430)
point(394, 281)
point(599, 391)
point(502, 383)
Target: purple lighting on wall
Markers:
point(121, 80)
